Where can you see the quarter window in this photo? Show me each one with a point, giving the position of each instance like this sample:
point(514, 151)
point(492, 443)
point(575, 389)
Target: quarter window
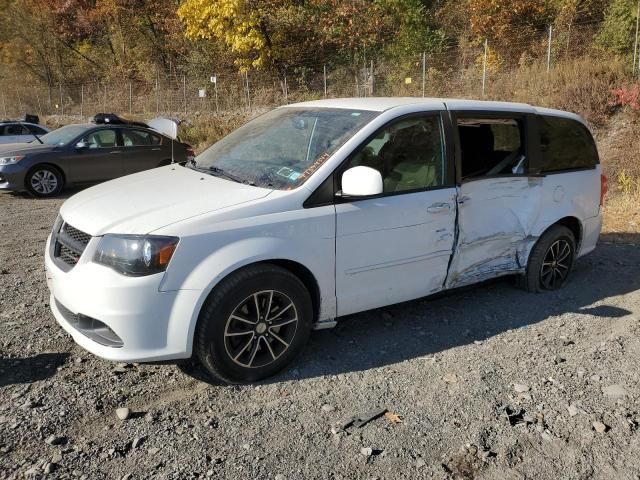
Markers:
point(565, 144)
point(409, 154)
point(491, 147)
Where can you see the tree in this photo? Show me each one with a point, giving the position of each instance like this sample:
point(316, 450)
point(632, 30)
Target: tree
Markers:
point(617, 33)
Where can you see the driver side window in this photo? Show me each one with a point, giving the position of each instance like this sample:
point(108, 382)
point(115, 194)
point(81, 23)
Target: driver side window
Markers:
point(409, 154)
point(101, 139)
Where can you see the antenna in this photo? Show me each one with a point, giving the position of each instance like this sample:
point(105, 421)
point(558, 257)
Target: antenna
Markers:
point(172, 159)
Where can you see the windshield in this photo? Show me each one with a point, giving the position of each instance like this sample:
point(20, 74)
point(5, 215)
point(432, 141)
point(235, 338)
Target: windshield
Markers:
point(63, 135)
point(282, 148)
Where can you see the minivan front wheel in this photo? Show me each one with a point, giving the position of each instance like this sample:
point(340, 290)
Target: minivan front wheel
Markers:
point(254, 323)
point(551, 260)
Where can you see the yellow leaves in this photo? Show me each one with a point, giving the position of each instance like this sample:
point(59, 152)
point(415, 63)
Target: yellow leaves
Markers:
point(230, 21)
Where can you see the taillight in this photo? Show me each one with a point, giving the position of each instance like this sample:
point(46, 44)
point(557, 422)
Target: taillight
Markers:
point(603, 188)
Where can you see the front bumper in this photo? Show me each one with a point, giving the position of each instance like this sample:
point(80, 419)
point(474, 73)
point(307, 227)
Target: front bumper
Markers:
point(150, 325)
point(12, 177)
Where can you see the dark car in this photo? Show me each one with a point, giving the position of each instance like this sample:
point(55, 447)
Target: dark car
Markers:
point(86, 153)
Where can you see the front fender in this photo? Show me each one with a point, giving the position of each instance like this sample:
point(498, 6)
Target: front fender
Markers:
point(316, 254)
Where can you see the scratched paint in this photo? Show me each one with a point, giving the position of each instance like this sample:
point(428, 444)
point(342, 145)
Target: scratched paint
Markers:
point(493, 229)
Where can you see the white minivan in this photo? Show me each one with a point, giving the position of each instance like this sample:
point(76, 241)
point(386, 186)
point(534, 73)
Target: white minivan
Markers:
point(318, 210)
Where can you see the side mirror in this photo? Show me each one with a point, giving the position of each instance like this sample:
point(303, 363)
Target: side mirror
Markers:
point(361, 182)
point(82, 145)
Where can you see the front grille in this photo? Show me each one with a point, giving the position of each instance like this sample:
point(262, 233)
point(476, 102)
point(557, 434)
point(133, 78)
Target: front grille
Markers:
point(68, 245)
point(90, 327)
point(76, 234)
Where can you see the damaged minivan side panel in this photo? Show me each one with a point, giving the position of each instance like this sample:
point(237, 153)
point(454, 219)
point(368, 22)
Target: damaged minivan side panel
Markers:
point(498, 211)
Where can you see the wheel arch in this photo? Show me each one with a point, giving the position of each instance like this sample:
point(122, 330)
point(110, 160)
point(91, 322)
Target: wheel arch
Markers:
point(572, 223)
point(301, 271)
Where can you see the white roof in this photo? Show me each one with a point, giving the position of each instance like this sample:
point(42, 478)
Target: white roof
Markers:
point(380, 104)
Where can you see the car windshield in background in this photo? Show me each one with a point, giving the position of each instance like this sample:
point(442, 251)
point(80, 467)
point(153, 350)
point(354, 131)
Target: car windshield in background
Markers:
point(282, 148)
point(63, 135)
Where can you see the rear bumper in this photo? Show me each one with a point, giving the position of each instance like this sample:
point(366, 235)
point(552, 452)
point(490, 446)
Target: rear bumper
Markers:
point(120, 318)
point(590, 234)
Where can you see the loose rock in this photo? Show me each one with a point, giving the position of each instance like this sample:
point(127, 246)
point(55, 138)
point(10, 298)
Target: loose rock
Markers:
point(614, 392)
point(123, 413)
point(600, 427)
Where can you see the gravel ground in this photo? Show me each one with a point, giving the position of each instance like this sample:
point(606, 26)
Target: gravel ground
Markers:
point(486, 382)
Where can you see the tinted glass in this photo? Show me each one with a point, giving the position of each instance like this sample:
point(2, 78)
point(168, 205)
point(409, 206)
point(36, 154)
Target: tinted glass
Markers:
point(565, 144)
point(284, 147)
point(101, 139)
point(409, 154)
point(15, 129)
point(136, 138)
point(492, 146)
point(36, 130)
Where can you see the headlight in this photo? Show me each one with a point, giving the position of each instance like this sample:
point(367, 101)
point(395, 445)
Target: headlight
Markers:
point(10, 160)
point(135, 255)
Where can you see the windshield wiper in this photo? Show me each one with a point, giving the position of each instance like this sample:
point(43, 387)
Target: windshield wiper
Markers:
point(218, 172)
point(36, 136)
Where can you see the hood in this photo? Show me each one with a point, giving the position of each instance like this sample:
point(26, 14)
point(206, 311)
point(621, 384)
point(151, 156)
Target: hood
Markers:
point(147, 201)
point(24, 148)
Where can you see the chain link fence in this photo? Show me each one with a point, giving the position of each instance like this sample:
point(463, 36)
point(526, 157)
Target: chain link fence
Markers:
point(478, 69)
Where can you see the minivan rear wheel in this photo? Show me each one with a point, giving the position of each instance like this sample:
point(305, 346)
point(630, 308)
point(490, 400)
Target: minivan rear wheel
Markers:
point(551, 260)
point(254, 323)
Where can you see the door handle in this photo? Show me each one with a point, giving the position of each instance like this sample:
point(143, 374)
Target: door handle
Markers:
point(438, 207)
point(156, 149)
point(117, 151)
point(464, 200)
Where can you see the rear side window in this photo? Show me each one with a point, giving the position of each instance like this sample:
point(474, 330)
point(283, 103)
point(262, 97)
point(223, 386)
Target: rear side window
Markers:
point(137, 138)
point(491, 146)
point(565, 144)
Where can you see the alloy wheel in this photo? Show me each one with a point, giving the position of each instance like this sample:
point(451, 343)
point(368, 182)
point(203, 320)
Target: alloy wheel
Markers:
point(44, 182)
point(556, 264)
point(260, 329)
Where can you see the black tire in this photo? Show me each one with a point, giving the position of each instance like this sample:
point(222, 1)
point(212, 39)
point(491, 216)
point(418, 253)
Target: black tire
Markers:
point(542, 274)
point(44, 181)
point(220, 335)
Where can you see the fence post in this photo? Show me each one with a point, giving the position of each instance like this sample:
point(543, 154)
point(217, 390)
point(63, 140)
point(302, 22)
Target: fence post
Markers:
point(104, 99)
point(61, 100)
point(39, 105)
point(215, 90)
point(184, 92)
point(424, 63)
point(130, 98)
point(286, 88)
point(371, 80)
point(157, 91)
point(4, 105)
point(246, 76)
point(324, 78)
point(81, 100)
point(484, 66)
point(549, 49)
point(635, 46)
